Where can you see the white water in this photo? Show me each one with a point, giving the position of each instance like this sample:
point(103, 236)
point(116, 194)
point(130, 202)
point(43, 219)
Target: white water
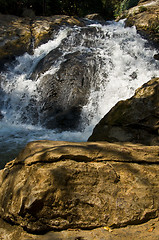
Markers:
point(122, 60)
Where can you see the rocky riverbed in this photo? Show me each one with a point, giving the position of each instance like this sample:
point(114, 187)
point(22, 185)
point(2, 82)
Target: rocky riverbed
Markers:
point(106, 188)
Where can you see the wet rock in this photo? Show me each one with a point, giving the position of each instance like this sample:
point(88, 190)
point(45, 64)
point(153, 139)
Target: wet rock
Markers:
point(145, 17)
point(1, 97)
point(61, 185)
point(44, 28)
point(156, 56)
point(63, 94)
point(134, 120)
point(1, 116)
point(19, 35)
point(64, 78)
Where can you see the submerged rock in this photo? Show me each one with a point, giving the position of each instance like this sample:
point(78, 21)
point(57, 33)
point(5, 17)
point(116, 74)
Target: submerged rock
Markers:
point(61, 185)
point(1, 115)
point(134, 120)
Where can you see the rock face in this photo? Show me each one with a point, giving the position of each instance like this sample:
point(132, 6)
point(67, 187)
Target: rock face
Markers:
point(20, 35)
point(63, 94)
point(134, 120)
point(15, 37)
point(60, 185)
point(95, 17)
point(145, 16)
point(65, 75)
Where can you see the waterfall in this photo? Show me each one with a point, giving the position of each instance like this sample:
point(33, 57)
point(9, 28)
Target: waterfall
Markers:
point(118, 61)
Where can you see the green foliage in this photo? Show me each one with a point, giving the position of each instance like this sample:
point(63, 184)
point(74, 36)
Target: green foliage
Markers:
point(121, 6)
point(106, 8)
point(51, 7)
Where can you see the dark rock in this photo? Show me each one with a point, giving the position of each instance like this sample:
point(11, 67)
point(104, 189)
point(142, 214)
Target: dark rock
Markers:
point(46, 63)
point(61, 185)
point(156, 56)
point(134, 120)
point(1, 97)
point(1, 116)
point(63, 93)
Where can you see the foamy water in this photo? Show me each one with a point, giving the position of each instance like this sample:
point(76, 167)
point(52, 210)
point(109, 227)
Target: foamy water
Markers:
point(122, 60)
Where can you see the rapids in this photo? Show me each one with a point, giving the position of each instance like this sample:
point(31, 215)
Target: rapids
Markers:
point(122, 60)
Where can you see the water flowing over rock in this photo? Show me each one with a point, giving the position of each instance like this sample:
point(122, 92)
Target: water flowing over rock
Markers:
point(65, 93)
point(20, 35)
point(134, 120)
point(64, 87)
point(60, 185)
point(145, 16)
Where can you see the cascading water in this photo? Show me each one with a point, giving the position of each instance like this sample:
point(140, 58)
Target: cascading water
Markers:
point(121, 61)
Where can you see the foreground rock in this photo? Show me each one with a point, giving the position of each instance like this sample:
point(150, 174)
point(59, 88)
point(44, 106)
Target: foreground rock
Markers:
point(61, 185)
point(134, 120)
point(148, 230)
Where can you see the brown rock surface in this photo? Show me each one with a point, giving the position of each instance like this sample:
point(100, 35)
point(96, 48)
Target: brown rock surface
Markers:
point(15, 36)
point(148, 230)
point(19, 35)
point(61, 185)
point(145, 16)
point(134, 120)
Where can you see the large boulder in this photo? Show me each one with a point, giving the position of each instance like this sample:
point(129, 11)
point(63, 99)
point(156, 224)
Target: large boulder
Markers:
point(15, 37)
point(43, 28)
point(145, 17)
point(61, 185)
point(19, 35)
point(65, 76)
point(63, 94)
point(134, 120)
